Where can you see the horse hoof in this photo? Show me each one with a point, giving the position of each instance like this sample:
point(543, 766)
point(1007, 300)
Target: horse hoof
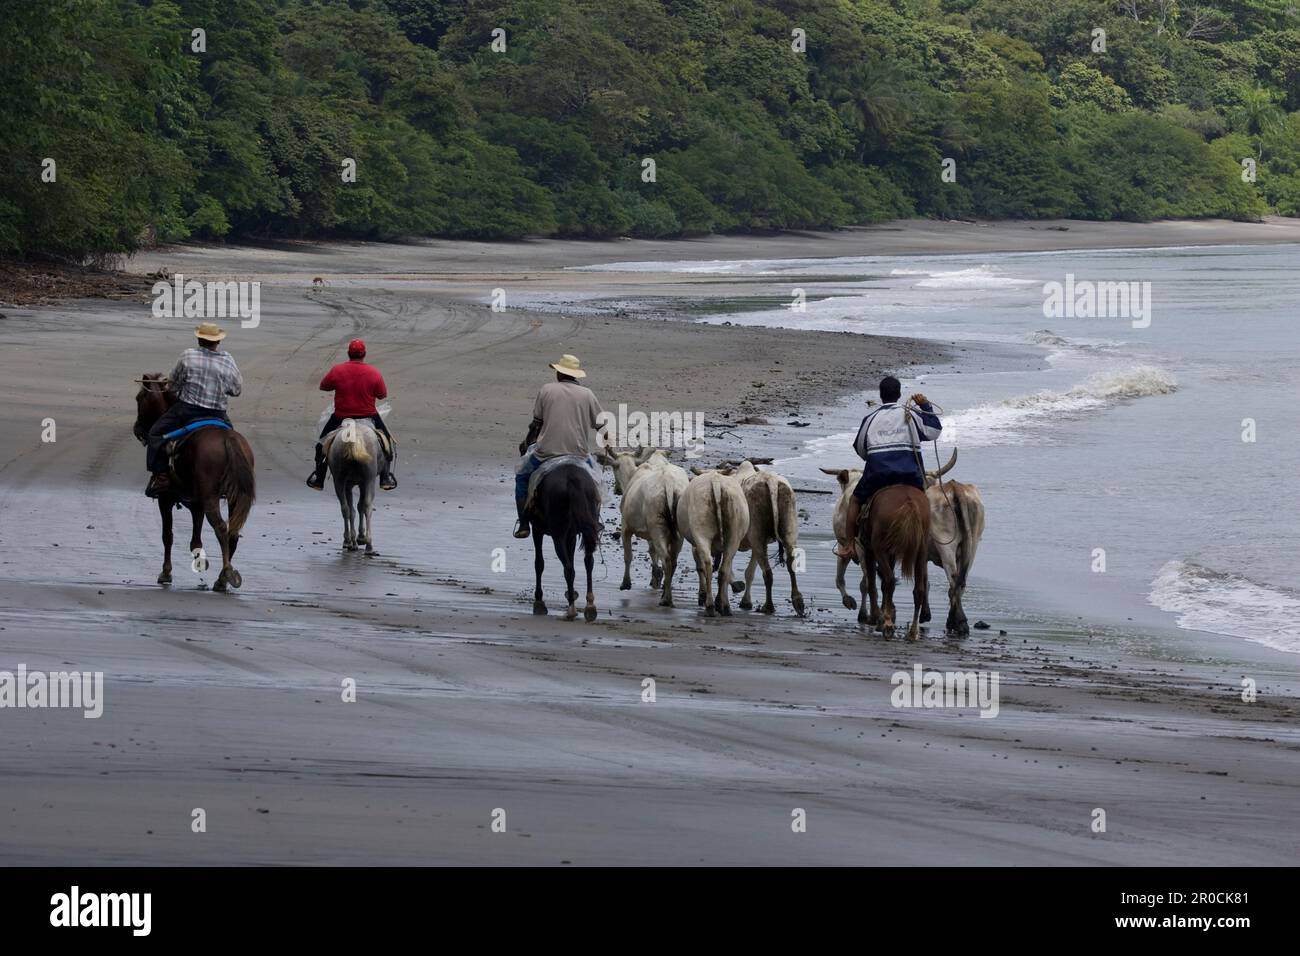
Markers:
point(913, 634)
point(589, 614)
point(165, 578)
point(768, 608)
point(571, 614)
point(666, 602)
point(746, 605)
point(539, 608)
point(737, 587)
point(626, 585)
point(798, 605)
point(925, 616)
point(725, 610)
point(864, 618)
point(850, 603)
point(700, 600)
point(220, 584)
point(709, 612)
point(236, 579)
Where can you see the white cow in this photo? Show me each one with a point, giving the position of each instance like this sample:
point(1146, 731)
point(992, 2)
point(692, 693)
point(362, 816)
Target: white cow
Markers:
point(773, 517)
point(956, 526)
point(651, 486)
point(713, 516)
point(848, 479)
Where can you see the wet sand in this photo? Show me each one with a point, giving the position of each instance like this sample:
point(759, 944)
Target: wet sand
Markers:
point(465, 702)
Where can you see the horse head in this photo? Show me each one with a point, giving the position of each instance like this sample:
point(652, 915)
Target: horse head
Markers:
point(150, 402)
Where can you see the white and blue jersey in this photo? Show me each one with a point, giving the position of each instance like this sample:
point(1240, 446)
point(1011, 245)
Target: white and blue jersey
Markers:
point(890, 437)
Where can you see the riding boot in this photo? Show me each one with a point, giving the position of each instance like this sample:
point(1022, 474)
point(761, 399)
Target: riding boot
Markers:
point(159, 483)
point(521, 529)
point(317, 479)
point(387, 480)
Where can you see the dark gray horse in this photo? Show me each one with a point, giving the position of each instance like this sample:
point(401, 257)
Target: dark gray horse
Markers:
point(354, 454)
point(566, 506)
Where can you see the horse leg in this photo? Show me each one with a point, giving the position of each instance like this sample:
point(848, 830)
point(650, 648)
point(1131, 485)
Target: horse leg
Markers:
point(165, 509)
point(212, 508)
point(887, 582)
point(345, 507)
point(367, 506)
point(589, 612)
point(920, 587)
point(627, 559)
point(848, 600)
point(795, 597)
point(539, 564)
point(564, 551)
point(746, 602)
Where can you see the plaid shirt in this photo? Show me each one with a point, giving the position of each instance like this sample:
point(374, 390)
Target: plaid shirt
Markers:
point(205, 377)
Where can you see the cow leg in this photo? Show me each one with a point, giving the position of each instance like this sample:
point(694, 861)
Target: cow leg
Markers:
point(539, 564)
point(795, 597)
point(724, 582)
point(920, 586)
point(849, 601)
point(627, 559)
point(658, 549)
point(766, 565)
point(704, 567)
point(670, 569)
point(953, 625)
point(564, 549)
point(745, 602)
point(165, 509)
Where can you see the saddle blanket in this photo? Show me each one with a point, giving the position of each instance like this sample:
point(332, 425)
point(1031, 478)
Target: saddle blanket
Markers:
point(385, 441)
point(550, 464)
point(195, 426)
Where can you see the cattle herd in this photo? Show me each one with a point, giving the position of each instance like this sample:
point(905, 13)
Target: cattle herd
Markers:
point(738, 507)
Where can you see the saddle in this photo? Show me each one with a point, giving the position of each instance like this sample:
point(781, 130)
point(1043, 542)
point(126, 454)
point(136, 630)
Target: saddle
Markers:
point(551, 464)
point(174, 441)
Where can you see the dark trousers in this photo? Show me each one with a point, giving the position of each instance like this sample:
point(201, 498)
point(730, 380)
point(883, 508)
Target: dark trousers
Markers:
point(180, 414)
point(869, 484)
point(334, 421)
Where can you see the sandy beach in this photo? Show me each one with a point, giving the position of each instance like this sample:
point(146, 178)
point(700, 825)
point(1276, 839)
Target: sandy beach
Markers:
point(466, 704)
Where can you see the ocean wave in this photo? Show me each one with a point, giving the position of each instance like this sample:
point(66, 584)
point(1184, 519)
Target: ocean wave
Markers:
point(1002, 423)
point(979, 277)
point(1222, 603)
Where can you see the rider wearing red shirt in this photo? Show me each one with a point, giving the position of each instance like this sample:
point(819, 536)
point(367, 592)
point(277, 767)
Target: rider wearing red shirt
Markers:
point(355, 385)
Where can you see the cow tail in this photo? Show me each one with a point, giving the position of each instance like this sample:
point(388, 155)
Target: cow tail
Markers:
point(774, 492)
point(718, 511)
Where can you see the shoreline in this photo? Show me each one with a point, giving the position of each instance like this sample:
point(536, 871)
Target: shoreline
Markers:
point(466, 701)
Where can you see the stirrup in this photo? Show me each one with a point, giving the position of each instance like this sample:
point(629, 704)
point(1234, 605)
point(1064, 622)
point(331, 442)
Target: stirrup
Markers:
point(387, 481)
point(522, 530)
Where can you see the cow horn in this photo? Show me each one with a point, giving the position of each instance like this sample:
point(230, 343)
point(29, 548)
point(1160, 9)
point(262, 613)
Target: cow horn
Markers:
point(946, 468)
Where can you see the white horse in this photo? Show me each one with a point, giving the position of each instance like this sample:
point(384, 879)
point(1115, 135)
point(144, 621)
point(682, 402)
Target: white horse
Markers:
point(353, 452)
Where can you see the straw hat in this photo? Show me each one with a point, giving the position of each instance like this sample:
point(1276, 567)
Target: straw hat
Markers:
point(210, 332)
point(568, 365)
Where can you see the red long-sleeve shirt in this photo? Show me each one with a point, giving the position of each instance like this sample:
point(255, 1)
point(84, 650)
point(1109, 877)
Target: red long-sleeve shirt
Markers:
point(355, 385)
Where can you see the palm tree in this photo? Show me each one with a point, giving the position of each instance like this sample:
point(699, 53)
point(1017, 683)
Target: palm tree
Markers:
point(870, 98)
point(1257, 115)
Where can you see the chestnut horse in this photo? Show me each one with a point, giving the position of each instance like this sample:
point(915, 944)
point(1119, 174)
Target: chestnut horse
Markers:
point(895, 527)
point(214, 463)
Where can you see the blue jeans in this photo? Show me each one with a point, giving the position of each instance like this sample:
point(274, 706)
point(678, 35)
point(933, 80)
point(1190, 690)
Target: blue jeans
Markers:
point(527, 465)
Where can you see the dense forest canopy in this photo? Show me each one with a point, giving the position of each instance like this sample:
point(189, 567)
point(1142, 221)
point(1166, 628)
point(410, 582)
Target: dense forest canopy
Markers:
point(632, 117)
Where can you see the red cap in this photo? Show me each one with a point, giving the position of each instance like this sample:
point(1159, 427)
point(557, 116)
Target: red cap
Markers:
point(356, 348)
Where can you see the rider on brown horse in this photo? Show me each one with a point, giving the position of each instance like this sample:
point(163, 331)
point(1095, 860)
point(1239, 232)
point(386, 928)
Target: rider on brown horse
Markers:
point(889, 441)
point(355, 385)
point(202, 381)
point(564, 415)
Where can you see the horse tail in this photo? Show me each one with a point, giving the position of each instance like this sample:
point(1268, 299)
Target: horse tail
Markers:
point(238, 485)
point(354, 445)
point(585, 517)
point(908, 536)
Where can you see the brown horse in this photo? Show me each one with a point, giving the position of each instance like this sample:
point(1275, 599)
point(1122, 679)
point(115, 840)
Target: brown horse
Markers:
point(214, 463)
point(895, 527)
